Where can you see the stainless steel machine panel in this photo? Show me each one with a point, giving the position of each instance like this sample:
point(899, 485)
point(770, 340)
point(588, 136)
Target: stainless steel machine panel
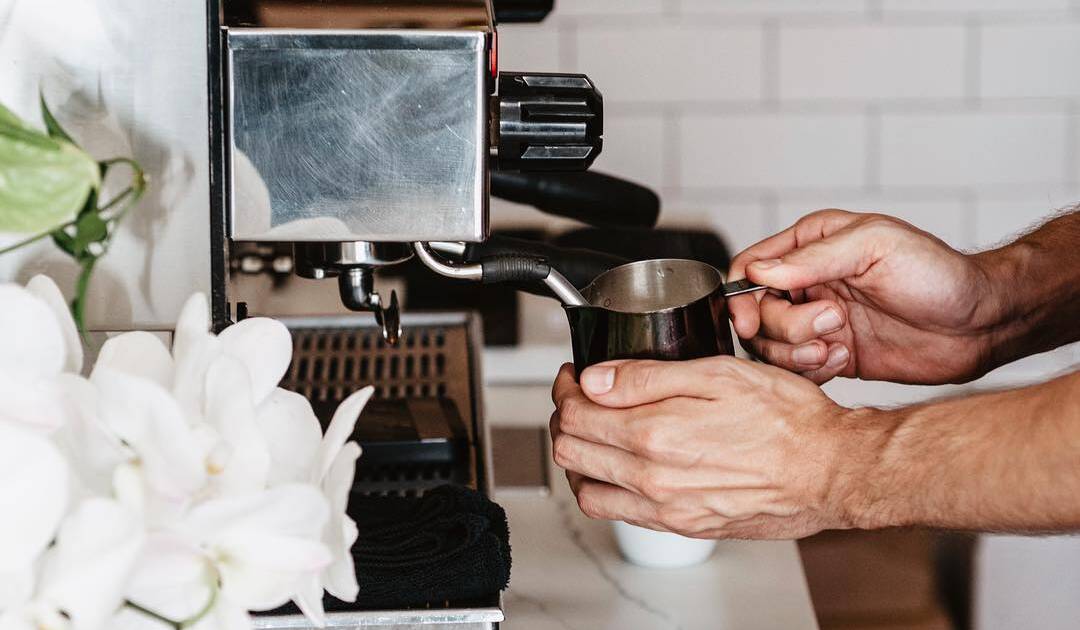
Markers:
point(361, 135)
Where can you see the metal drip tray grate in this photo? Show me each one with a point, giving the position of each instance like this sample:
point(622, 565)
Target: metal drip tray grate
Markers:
point(420, 429)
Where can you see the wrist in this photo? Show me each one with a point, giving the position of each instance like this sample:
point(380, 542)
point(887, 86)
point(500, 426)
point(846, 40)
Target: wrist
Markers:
point(1005, 319)
point(861, 492)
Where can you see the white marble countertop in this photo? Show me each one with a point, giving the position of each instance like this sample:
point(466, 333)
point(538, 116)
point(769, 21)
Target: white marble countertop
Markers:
point(568, 575)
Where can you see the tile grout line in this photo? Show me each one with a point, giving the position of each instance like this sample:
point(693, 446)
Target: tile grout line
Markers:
point(875, 10)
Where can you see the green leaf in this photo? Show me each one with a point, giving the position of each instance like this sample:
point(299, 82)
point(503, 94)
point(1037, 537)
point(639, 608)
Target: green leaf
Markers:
point(52, 125)
point(44, 182)
point(9, 119)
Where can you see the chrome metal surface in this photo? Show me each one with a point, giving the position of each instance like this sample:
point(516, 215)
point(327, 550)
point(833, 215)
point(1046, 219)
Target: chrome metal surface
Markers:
point(653, 285)
point(459, 619)
point(566, 292)
point(356, 14)
point(666, 309)
point(448, 249)
point(353, 253)
point(438, 357)
point(357, 135)
point(472, 272)
point(742, 287)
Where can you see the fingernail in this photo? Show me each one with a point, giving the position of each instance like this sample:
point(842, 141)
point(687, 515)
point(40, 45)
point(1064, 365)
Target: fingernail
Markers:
point(762, 265)
point(829, 321)
point(838, 356)
point(808, 355)
point(598, 380)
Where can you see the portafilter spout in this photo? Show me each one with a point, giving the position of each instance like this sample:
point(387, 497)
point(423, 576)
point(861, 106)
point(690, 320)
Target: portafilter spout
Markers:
point(354, 264)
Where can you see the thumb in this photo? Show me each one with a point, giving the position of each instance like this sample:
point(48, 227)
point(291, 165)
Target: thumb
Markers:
point(845, 254)
point(621, 384)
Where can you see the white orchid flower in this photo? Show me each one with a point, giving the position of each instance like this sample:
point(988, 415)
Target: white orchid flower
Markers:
point(201, 490)
point(86, 572)
point(334, 469)
point(241, 553)
point(39, 340)
point(33, 498)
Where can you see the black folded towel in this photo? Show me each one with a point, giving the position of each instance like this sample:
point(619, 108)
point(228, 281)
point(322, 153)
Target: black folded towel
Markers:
point(452, 544)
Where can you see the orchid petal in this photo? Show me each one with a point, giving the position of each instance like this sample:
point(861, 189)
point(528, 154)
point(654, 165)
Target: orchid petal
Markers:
point(44, 288)
point(263, 543)
point(16, 587)
point(309, 599)
point(138, 353)
point(192, 325)
point(189, 375)
point(149, 420)
point(225, 615)
point(292, 435)
point(265, 348)
point(31, 337)
point(341, 428)
point(93, 451)
point(37, 403)
point(172, 578)
point(86, 573)
point(341, 533)
point(229, 408)
point(33, 495)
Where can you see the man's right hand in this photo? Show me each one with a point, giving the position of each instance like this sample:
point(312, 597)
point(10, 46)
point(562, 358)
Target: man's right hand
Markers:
point(874, 298)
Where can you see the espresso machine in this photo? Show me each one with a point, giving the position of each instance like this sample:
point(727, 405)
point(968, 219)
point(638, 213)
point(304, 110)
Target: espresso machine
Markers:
point(348, 137)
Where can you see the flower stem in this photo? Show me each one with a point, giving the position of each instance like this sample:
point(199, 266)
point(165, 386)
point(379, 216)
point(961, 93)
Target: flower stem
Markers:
point(36, 237)
point(176, 625)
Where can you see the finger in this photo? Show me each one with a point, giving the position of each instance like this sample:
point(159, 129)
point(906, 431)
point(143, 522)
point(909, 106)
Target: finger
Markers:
point(836, 365)
point(604, 501)
point(815, 226)
point(565, 384)
point(795, 358)
point(799, 323)
point(846, 254)
point(632, 383)
point(600, 462)
point(580, 417)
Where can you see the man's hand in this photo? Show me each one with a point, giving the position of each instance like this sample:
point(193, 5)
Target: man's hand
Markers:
point(874, 298)
point(712, 448)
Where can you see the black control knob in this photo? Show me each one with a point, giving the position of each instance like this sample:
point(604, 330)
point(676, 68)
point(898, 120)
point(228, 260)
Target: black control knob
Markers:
point(548, 122)
point(522, 10)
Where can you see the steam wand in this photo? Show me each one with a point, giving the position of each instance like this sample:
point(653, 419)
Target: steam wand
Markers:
point(505, 268)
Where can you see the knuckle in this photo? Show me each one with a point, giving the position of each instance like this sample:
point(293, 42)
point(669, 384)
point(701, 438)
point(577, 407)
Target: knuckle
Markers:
point(561, 452)
point(642, 376)
point(646, 438)
point(570, 414)
point(654, 487)
point(588, 504)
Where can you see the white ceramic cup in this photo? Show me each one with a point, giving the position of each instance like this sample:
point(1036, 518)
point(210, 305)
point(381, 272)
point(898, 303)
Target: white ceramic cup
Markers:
point(660, 550)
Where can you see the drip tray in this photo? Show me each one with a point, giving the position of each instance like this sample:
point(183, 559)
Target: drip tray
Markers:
point(422, 428)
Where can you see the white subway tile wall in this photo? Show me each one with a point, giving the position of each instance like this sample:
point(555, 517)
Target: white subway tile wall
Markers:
point(961, 116)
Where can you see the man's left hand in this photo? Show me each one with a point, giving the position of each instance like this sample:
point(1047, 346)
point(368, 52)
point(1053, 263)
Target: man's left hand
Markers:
point(711, 448)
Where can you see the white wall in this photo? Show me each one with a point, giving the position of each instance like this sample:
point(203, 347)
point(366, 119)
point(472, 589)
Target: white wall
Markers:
point(126, 78)
point(961, 116)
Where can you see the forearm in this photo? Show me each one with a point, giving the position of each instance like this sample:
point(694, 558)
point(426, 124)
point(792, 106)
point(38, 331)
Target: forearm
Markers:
point(1037, 283)
point(1003, 461)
